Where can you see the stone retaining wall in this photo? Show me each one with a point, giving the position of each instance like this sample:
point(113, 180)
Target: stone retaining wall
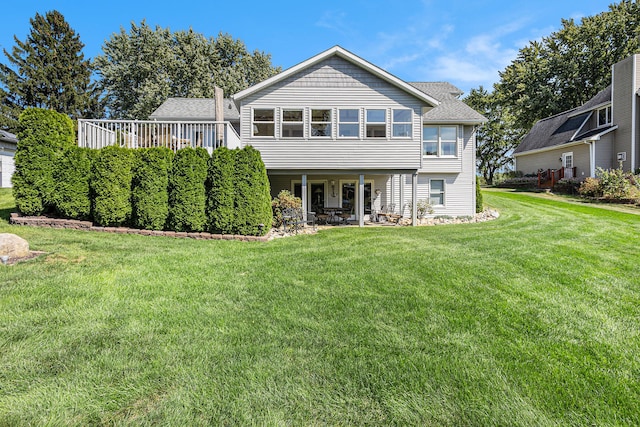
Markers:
point(43, 221)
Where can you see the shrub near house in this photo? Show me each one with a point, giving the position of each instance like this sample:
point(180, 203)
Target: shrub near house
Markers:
point(148, 189)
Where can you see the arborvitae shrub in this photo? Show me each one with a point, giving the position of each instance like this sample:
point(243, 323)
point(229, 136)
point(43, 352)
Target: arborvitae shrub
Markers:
point(150, 188)
point(221, 191)
point(42, 136)
point(187, 193)
point(479, 201)
point(72, 177)
point(112, 173)
point(253, 198)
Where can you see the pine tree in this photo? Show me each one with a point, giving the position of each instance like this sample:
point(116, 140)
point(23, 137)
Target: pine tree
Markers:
point(47, 70)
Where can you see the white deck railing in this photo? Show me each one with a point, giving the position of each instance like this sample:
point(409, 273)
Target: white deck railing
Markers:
point(144, 133)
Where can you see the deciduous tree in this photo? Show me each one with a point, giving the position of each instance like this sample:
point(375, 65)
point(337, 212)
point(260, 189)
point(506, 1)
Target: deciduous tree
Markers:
point(141, 68)
point(497, 137)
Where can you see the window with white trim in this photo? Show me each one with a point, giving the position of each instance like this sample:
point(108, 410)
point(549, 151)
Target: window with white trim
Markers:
point(263, 122)
point(321, 123)
point(436, 192)
point(401, 123)
point(441, 141)
point(376, 123)
point(292, 123)
point(349, 123)
point(604, 116)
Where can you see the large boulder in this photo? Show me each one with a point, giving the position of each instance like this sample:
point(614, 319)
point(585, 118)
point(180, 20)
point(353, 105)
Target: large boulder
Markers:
point(13, 246)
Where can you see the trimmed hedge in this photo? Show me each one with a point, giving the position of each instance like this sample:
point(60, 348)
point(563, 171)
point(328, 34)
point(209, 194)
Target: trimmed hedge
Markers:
point(187, 192)
point(42, 137)
point(72, 177)
point(112, 173)
point(253, 196)
point(221, 192)
point(150, 196)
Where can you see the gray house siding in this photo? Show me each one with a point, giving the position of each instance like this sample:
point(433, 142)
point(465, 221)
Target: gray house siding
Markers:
point(332, 84)
point(531, 163)
point(624, 87)
point(604, 152)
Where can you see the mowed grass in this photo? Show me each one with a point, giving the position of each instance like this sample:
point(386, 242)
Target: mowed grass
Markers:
point(531, 319)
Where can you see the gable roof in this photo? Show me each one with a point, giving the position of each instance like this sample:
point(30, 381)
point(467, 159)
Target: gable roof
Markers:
point(345, 54)
point(451, 107)
point(194, 109)
point(565, 127)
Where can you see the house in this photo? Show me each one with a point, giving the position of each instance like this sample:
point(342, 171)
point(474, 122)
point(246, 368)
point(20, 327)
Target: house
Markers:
point(196, 109)
point(340, 132)
point(8, 144)
point(601, 133)
point(346, 137)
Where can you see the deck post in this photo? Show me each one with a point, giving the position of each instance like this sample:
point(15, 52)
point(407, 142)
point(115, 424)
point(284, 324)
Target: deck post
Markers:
point(304, 197)
point(414, 199)
point(361, 201)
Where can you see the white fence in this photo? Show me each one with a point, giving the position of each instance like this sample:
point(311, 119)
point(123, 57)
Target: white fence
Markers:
point(143, 134)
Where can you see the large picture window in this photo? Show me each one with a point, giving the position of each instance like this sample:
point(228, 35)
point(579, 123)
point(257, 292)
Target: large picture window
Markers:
point(376, 123)
point(440, 141)
point(320, 123)
point(292, 123)
point(263, 122)
point(349, 123)
point(402, 127)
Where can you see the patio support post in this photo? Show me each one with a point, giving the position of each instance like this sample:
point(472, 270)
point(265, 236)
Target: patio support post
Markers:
point(361, 201)
point(304, 197)
point(414, 199)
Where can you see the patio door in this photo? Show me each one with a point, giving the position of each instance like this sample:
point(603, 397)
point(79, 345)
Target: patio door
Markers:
point(316, 194)
point(349, 198)
point(567, 164)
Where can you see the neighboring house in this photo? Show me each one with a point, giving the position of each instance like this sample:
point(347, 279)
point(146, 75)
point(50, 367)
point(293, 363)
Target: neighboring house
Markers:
point(601, 133)
point(8, 144)
point(344, 134)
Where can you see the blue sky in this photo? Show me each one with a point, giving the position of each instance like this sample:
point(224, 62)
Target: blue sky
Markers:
point(463, 42)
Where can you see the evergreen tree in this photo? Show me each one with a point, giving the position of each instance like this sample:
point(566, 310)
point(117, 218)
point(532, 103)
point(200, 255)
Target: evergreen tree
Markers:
point(47, 70)
point(253, 198)
point(221, 191)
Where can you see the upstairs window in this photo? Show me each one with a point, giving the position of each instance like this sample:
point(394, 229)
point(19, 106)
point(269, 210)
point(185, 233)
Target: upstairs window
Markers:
point(321, 123)
point(402, 127)
point(349, 123)
point(440, 141)
point(263, 122)
point(604, 116)
point(292, 124)
point(376, 124)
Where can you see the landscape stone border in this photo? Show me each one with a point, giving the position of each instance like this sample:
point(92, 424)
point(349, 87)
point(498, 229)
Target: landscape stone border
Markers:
point(44, 221)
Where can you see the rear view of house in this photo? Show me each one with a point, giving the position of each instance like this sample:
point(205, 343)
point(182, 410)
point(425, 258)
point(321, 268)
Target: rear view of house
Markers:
point(347, 137)
point(601, 133)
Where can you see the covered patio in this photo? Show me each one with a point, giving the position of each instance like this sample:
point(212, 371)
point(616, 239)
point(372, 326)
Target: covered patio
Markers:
point(351, 197)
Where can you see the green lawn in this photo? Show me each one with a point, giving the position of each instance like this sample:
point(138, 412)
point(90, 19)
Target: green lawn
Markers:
point(532, 319)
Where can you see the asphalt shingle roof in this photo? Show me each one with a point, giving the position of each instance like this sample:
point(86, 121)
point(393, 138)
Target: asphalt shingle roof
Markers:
point(8, 136)
point(194, 109)
point(562, 128)
point(451, 108)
